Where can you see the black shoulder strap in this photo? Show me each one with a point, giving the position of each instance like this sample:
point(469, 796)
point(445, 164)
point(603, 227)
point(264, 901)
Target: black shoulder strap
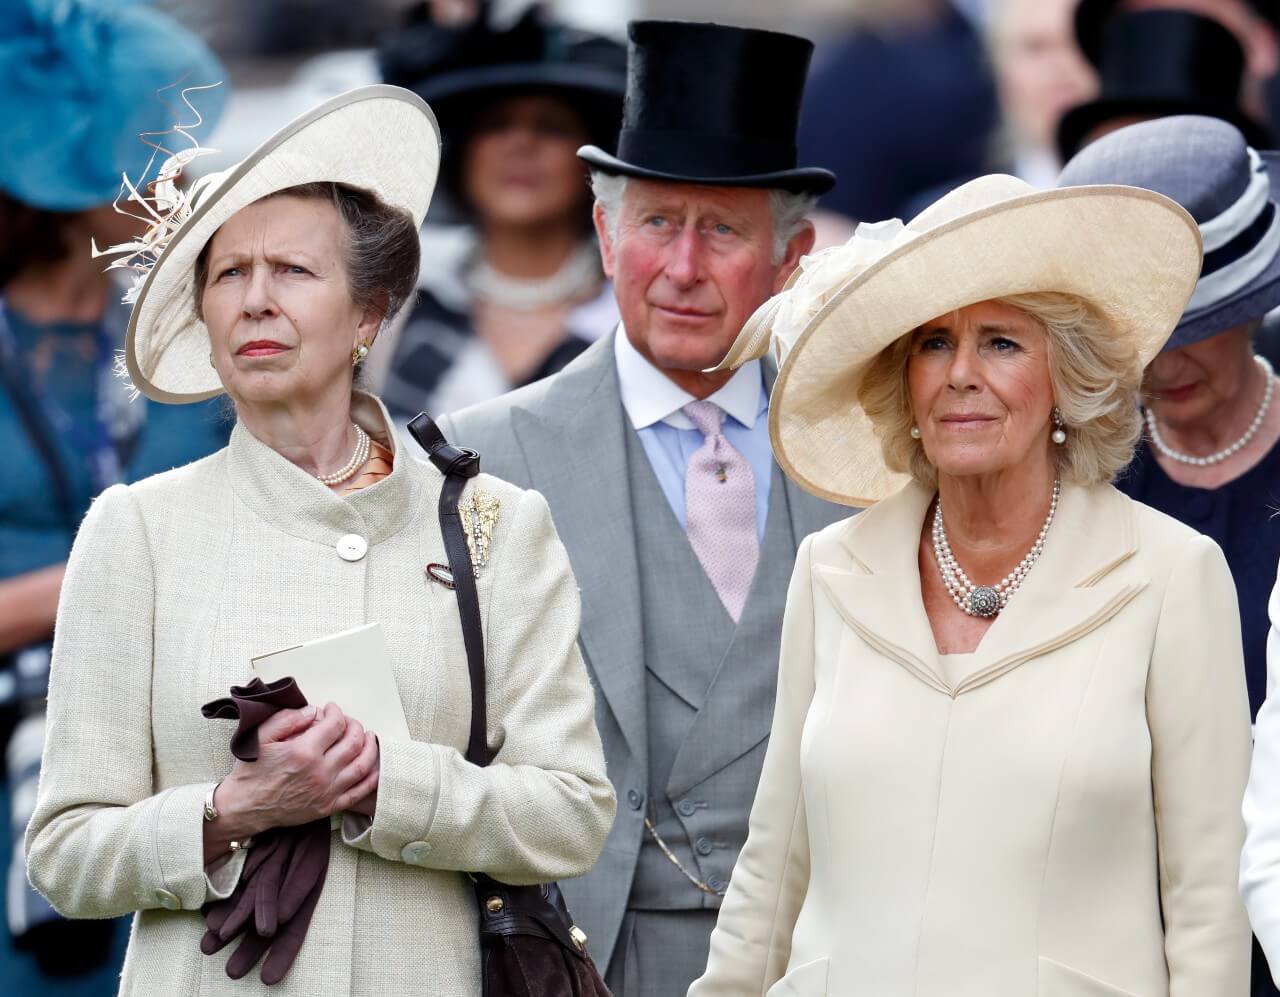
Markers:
point(458, 464)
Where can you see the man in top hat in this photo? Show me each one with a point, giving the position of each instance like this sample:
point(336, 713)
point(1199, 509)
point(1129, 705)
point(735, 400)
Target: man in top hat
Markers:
point(681, 529)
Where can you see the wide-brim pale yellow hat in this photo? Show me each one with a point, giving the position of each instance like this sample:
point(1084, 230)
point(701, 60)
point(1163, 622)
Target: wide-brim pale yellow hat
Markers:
point(1132, 254)
point(380, 138)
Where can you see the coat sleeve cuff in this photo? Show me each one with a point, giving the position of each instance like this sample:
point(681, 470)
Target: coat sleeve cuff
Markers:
point(185, 882)
point(408, 791)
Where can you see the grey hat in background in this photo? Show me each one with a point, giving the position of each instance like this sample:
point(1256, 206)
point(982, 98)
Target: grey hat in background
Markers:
point(1230, 190)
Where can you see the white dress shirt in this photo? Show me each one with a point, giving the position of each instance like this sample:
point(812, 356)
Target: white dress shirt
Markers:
point(653, 404)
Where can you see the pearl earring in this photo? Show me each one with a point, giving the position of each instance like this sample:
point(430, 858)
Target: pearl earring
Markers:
point(358, 354)
point(1059, 435)
point(915, 432)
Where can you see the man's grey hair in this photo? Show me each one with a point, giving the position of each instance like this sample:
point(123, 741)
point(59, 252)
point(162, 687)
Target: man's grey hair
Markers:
point(790, 210)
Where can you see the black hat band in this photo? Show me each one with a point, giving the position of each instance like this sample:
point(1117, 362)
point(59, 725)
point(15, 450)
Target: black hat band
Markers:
point(711, 155)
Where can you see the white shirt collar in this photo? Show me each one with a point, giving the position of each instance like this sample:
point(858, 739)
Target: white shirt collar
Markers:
point(649, 396)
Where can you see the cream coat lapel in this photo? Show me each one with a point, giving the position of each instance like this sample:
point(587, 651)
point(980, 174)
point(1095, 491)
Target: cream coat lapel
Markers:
point(1075, 587)
point(576, 456)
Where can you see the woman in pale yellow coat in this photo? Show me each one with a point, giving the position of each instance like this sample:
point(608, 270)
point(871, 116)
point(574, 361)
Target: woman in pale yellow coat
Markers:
point(312, 521)
point(1011, 735)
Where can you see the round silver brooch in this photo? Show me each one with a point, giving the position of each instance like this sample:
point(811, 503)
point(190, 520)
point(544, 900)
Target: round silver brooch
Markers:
point(984, 601)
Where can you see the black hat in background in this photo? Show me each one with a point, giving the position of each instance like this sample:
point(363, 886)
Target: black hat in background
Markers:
point(1156, 63)
point(462, 69)
point(1092, 15)
point(712, 104)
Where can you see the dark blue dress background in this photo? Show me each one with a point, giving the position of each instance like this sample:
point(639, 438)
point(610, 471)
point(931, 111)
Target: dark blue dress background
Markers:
point(1240, 516)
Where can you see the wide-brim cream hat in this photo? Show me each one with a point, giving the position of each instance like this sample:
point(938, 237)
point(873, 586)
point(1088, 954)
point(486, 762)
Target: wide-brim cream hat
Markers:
point(380, 138)
point(1132, 254)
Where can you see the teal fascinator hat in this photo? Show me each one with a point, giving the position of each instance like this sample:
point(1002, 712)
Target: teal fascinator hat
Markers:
point(83, 85)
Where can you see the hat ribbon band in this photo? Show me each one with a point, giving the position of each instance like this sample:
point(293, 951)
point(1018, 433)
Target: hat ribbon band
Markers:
point(1220, 230)
point(704, 154)
point(1230, 276)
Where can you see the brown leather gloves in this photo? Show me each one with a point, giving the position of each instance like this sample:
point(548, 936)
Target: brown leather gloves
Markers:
point(284, 873)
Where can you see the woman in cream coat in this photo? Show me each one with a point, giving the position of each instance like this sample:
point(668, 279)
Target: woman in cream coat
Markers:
point(296, 256)
point(977, 788)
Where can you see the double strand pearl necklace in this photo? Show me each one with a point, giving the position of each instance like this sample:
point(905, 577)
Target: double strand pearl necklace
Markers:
point(356, 462)
point(1225, 452)
point(985, 600)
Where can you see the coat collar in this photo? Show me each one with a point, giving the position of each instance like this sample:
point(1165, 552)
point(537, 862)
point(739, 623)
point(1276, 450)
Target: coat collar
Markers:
point(292, 501)
point(1077, 585)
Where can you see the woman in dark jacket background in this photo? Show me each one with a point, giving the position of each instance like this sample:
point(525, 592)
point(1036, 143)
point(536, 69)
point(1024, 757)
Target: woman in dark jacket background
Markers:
point(515, 291)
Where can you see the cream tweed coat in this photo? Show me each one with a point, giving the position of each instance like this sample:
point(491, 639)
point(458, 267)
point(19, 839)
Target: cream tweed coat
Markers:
point(175, 582)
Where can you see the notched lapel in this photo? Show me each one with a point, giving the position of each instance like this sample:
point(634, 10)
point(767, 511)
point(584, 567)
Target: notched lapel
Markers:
point(872, 578)
point(885, 611)
point(1046, 624)
point(1083, 578)
point(576, 440)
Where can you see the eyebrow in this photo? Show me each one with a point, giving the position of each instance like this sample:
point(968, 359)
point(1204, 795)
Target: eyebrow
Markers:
point(285, 253)
point(737, 219)
point(989, 327)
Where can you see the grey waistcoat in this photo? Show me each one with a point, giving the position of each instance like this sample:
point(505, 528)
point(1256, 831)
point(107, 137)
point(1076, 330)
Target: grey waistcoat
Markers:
point(688, 638)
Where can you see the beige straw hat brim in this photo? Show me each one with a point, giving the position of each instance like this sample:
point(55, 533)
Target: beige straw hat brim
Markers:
point(1133, 254)
point(380, 138)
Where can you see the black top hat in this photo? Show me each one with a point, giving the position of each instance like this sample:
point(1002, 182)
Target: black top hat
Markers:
point(1156, 63)
point(1092, 15)
point(711, 104)
point(459, 69)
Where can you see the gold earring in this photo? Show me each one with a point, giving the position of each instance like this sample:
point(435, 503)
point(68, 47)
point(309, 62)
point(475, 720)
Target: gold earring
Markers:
point(359, 353)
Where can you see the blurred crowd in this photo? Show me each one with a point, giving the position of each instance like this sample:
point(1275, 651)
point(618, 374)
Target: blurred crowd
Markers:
point(905, 101)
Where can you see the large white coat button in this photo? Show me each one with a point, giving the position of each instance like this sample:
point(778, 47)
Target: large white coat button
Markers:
point(167, 900)
point(352, 547)
point(416, 852)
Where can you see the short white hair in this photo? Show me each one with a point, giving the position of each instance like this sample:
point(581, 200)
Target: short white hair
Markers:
point(790, 210)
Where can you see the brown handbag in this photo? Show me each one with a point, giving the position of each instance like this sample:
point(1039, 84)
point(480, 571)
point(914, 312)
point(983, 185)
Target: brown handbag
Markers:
point(529, 945)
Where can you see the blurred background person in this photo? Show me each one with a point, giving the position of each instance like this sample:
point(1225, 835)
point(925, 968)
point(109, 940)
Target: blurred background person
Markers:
point(1208, 457)
point(516, 291)
point(80, 83)
point(1040, 74)
point(1161, 57)
point(900, 103)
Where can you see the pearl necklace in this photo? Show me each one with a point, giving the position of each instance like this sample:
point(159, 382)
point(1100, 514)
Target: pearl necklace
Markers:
point(579, 273)
point(1225, 452)
point(356, 462)
point(985, 600)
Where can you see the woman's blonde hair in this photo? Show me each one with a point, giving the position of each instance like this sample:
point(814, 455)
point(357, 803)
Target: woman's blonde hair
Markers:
point(1095, 375)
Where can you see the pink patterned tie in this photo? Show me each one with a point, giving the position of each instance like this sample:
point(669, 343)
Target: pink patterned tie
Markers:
point(720, 509)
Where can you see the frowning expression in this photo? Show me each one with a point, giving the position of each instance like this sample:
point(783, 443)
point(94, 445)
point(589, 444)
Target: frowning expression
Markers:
point(980, 389)
point(277, 302)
